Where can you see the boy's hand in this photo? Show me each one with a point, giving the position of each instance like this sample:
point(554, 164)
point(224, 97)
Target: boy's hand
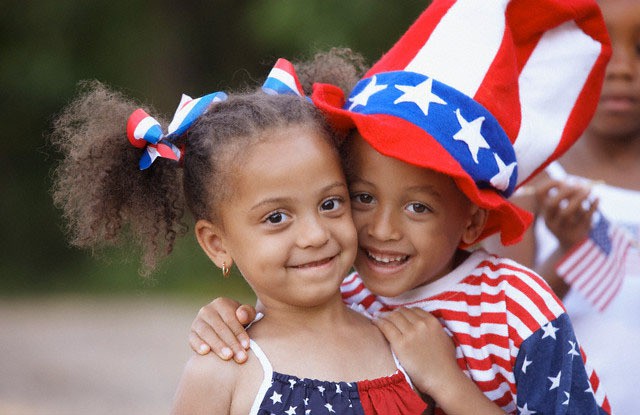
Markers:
point(423, 348)
point(219, 327)
point(428, 355)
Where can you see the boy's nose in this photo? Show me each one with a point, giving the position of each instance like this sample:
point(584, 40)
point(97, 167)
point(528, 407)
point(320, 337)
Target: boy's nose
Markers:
point(384, 226)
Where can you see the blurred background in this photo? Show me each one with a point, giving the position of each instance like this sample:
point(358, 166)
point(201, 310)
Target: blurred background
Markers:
point(86, 334)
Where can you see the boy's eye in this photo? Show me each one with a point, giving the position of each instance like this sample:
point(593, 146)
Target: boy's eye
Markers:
point(276, 218)
point(418, 208)
point(331, 204)
point(364, 198)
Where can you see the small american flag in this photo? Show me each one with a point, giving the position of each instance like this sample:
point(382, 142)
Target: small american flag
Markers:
point(596, 267)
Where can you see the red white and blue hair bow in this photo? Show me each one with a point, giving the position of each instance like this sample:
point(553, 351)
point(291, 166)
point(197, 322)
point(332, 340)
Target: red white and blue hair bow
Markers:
point(283, 80)
point(145, 131)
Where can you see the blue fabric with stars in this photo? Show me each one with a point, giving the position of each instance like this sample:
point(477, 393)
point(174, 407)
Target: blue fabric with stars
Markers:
point(467, 130)
point(282, 394)
point(291, 395)
point(550, 375)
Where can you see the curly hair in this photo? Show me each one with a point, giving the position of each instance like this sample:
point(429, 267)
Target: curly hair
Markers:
point(105, 198)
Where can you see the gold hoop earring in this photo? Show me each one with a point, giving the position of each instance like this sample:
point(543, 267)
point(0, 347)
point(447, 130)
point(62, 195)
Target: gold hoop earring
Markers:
point(225, 270)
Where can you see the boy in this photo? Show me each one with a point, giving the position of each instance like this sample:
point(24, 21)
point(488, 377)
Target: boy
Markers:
point(448, 123)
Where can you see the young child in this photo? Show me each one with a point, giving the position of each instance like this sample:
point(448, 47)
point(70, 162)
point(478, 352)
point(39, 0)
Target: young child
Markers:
point(448, 123)
point(262, 178)
point(598, 181)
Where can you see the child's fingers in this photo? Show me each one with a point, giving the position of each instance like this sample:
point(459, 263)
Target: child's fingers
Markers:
point(387, 327)
point(212, 341)
point(197, 344)
point(245, 315)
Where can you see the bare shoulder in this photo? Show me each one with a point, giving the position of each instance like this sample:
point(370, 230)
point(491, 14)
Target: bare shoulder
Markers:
point(206, 386)
point(210, 385)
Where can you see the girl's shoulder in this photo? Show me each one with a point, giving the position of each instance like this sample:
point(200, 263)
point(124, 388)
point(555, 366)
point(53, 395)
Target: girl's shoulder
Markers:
point(213, 385)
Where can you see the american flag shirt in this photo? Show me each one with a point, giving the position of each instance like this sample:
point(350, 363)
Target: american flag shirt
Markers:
point(513, 337)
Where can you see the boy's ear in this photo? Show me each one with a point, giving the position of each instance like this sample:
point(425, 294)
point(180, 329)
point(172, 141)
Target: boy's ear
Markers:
point(475, 225)
point(211, 240)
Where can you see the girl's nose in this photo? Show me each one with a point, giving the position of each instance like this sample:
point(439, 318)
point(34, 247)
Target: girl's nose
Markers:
point(313, 233)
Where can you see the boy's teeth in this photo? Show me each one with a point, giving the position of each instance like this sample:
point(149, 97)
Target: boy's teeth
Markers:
point(386, 260)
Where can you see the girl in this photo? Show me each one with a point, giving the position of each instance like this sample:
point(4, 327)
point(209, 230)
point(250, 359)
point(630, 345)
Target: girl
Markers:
point(263, 180)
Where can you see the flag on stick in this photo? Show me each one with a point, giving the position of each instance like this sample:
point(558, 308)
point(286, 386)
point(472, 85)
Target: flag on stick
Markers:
point(596, 267)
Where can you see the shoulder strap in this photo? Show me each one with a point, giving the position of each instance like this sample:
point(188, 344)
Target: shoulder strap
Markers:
point(266, 380)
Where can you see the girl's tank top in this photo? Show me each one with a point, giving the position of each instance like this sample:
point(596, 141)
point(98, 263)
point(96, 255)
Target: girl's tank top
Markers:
point(289, 395)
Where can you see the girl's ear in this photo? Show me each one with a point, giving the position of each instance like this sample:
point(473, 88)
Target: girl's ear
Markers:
point(211, 239)
point(475, 225)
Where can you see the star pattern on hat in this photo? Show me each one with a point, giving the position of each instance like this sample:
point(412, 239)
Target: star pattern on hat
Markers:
point(470, 134)
point(420, 95)
point(363, 97)
point(460, 125)
point(502, 178)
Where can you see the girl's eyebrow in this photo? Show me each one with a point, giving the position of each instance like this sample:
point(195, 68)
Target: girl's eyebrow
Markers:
point(284, 200)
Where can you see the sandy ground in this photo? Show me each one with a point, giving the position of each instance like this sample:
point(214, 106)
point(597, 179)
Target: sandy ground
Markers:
point(84, 355)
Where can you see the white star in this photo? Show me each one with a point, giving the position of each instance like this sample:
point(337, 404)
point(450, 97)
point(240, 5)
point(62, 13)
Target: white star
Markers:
point(470, 134)
point(291, 410)
point(292, 382)
point(549, 331)
point(307, 412)
point(306, 401)
point(338, 390)
point(573, 351)
point(276, 397)
point(525, 411)
point(525, 364)
point(590, 389)
point(420, 95)
point(568, 397)
point(321, 389)
point(555, 382)
point(363, 97)
point(329, 407)
point(501, 179)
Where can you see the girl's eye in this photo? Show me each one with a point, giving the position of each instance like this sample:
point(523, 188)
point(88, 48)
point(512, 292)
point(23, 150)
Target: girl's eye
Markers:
point(363, 198)
point(418, 208)
point(276, 218)
point(331, 204)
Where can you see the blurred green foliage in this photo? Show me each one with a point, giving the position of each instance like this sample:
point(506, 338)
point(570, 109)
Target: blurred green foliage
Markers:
point(153, 51)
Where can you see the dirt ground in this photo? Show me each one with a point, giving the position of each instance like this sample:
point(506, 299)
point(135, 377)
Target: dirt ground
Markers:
point(68, 355)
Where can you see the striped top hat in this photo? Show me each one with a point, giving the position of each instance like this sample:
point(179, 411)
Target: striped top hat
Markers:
point(487, 92)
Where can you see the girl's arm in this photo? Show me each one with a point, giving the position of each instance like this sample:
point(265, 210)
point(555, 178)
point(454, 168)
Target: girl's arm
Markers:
point(206, 387)
point(427, 353)
point(219, 327)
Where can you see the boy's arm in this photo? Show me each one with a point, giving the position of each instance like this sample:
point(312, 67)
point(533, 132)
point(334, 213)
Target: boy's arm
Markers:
point(552, 375)
point(428, 355)
point(219, 327)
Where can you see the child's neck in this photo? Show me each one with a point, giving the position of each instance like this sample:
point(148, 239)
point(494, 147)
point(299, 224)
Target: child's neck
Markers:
point(317, 318)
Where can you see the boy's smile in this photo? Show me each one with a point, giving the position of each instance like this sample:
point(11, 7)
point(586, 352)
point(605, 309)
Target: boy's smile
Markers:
point(410, 221)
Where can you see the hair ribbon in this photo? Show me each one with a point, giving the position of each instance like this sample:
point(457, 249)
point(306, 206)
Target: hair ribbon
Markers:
point(283, 80)
point(144, 131)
